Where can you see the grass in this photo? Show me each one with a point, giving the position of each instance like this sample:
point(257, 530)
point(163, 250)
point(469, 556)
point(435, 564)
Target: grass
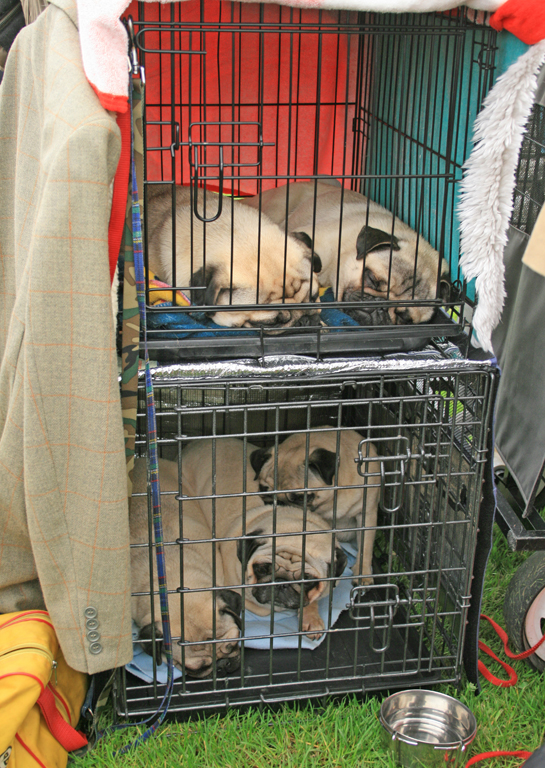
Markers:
point(345, 733)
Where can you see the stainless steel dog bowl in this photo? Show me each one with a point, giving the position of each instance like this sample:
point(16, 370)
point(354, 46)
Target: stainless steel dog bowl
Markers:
point(425, 728)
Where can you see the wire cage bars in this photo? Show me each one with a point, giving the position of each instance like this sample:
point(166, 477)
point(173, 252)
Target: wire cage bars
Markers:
point(410, 443)
point(300, 173)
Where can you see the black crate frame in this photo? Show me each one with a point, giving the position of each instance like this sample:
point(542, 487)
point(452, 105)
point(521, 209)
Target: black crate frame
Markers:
point(424, 552)
point(411, 170)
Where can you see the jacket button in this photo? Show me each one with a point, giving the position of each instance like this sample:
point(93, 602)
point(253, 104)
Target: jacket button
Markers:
point(95, 648)
point(93, 636)
point(92, 623)
point(90, 612)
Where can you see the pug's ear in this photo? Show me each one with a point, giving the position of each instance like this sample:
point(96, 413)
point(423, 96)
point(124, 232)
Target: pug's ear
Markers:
point(336, 568)
point(371, 239)
point(303, 237)
point(445, 289)
point(247, 547)
point(258, 459)
point(340, 561)
point(323, 463)
point(152, 632)
point(207, 279)
point(233, 604)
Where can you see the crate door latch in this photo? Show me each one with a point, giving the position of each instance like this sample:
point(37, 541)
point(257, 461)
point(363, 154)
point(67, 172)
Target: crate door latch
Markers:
point(213, 149)
point(375, 611)
point(393, 468)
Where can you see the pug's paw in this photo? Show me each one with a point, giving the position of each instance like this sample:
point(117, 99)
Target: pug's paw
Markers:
point(363, 581)
point(312, 622)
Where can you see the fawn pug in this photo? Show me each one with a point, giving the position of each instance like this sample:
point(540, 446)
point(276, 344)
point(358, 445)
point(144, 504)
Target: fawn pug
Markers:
point(363, 248)
point(352, 506)
point(199, 613)
point(239, 258)
point(263, 548)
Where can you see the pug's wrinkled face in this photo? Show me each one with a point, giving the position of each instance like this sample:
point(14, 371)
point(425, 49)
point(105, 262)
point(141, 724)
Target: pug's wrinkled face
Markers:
point(396, 269)
point(280, 583)
point(289, 281)
point(290, 474)
point(198, 655)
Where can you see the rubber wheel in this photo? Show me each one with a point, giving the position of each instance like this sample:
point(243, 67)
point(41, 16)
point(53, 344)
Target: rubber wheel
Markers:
point(524, 608)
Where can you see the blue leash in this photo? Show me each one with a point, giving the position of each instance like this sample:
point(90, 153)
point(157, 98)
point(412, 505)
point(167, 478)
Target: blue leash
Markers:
point(162, 709)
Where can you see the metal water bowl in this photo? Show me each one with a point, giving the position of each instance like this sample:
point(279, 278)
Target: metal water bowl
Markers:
point(426, 728)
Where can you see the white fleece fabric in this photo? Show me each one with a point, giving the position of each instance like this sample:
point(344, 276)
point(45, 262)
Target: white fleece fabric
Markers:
point(104, 39)
point(486, 199)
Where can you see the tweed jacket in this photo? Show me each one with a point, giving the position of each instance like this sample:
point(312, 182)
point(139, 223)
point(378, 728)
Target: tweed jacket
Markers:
point(64, 538)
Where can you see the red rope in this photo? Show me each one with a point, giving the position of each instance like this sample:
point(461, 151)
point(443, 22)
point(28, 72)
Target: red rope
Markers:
point(485, 755)
point(502, 634)
point(513, 677)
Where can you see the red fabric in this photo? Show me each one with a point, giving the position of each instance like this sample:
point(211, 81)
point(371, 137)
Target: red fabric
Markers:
point(524, 18)
point(121, 190)
point(226, 79)
point(486, 755)
point(62, 702)
point(111, 102)
point(67, 736)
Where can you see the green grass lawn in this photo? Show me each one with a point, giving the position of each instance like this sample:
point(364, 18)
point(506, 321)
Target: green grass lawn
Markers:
point(345, 733)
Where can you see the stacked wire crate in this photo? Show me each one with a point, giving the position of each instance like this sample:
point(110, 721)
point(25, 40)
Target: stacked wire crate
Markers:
point(244, 98)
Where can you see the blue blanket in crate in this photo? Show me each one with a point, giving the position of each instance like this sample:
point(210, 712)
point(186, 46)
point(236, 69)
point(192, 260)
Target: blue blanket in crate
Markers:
point(180, 325)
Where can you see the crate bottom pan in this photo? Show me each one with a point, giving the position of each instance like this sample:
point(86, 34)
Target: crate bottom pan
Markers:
point(344, 663)
point(304, 341)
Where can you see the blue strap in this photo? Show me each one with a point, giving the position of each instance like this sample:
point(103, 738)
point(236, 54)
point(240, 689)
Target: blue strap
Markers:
point(158, 716)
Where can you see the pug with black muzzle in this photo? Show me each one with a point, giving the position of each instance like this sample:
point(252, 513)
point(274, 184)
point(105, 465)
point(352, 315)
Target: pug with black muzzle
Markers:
point(271, 555)
point(262, 551)
point(373, 254)
point(239, 258)
point(198, 610)
point(350, 508)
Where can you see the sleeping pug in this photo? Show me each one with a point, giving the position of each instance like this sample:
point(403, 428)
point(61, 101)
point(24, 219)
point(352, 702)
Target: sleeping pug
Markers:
point(254, 550)
point(355, 506)
point(378, 254)
point(239, 258)
point(252, 532)
point(199, 613)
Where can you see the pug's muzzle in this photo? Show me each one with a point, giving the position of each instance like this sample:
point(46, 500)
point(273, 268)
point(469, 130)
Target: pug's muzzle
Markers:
point(225, 666)
point(370, 315)
point(286, 593)
point(295, 318)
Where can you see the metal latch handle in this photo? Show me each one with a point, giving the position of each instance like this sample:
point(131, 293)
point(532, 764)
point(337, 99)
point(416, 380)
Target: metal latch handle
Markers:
point(403, 455)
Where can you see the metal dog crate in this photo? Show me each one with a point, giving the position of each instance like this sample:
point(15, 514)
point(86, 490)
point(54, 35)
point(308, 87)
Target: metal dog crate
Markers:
point(428, 415)
point(242, 98)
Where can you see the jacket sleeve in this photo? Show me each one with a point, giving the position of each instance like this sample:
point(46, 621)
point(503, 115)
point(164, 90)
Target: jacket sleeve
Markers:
point(59, 369)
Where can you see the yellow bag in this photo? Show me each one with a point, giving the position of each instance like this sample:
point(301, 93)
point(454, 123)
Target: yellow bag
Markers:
point(40, 695)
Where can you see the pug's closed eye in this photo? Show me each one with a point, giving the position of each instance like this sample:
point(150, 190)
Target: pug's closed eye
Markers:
point(371, 281)
point(262, 570)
